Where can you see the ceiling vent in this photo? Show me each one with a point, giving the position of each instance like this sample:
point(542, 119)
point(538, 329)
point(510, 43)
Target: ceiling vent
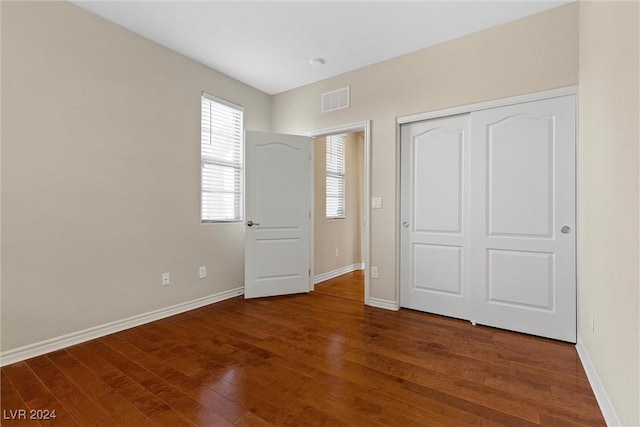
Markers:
point(335, 100)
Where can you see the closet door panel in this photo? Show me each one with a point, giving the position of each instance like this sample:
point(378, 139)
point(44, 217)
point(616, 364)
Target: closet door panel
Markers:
point(523, 194)
point(434, 231)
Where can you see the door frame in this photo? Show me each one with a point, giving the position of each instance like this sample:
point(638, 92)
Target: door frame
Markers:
point(364, 127)
point(470, 108)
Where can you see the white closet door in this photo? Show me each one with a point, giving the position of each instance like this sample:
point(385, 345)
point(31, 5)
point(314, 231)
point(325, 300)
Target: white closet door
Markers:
point(523, 218)
point(435, 234)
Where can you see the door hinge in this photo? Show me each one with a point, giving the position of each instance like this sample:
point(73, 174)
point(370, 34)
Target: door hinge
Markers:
point(309, 272)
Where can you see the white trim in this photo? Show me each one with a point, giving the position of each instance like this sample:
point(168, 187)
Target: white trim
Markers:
point(367, 211)
point(53, 344)
point(608, 411)
point(335, 273)
point(536, 96)
point(353, 127)
point(397, 229)
point(223, 101)
point(366, 128)
point(383, 303)
point(312, 214)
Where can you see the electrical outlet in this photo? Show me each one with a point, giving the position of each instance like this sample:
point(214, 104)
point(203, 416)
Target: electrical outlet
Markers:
point(165, 279)
point(337, 253)
point(374, 272)
point(203, 271)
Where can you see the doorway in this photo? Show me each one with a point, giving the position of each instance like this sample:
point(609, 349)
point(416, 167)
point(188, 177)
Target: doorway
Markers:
point(338, 205)
point(340, 246)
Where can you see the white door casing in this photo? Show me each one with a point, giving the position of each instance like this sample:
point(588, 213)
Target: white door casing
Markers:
point(512, 249)
point(524, 217)
point(435, 257)
point(278, 204)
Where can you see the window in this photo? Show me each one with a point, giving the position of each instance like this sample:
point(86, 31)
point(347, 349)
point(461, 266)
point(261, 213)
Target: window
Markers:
point(222, 160)
point(335, 176)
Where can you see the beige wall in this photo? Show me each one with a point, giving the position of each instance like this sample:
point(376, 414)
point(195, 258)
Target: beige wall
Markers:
point(342, 234)
point(532, 54)
point(608, 199)
point(100, 174)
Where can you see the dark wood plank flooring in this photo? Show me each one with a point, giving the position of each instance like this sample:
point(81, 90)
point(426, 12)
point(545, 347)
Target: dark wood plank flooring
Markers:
point(349, 286)
point(316, 359)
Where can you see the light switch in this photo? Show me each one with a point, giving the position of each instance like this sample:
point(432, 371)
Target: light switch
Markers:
point(376, 202)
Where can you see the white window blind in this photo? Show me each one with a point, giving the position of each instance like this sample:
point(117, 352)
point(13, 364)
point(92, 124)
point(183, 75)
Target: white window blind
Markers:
point(222, 160)
point(335, 176)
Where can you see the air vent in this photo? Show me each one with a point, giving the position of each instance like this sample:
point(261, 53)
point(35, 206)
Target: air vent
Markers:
point(335, 100)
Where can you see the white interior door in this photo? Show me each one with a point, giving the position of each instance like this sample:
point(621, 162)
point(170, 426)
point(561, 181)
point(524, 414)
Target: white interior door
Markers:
point(435, 253)
point(523, 218)
point(278, 214)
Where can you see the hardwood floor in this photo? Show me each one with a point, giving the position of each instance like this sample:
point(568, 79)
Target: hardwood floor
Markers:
point(313, 359)
point(349, 286)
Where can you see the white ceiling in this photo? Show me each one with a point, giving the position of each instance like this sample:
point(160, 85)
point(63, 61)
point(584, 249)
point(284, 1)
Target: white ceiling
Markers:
point(268, 44)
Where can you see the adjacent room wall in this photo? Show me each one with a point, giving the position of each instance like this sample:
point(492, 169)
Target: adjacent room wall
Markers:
point(101, 174)
point(532, 54)
point(345, 235)
point(608, 200)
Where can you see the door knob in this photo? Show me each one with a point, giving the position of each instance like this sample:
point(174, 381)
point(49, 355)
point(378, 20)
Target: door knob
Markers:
point(405, 224)
point(565, 230)
point(251, 223)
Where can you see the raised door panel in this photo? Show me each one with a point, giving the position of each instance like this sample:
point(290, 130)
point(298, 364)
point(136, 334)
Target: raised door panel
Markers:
point(278, 193)
point(437, 184)
point(437, 268)
point(520, 176)
point(521, 279)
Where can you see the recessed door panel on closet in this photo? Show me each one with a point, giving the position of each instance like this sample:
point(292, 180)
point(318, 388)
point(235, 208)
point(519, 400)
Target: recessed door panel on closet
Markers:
point(435, 228)
point(488, 217)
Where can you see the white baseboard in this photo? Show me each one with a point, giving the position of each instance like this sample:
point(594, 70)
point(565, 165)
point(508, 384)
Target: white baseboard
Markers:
point(53, 344)
point(383, 303)
point(339, 272)
point(608, 411)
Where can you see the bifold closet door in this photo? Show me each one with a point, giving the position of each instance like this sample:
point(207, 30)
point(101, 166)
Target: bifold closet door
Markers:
point(523, 218)
point(434, 261)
